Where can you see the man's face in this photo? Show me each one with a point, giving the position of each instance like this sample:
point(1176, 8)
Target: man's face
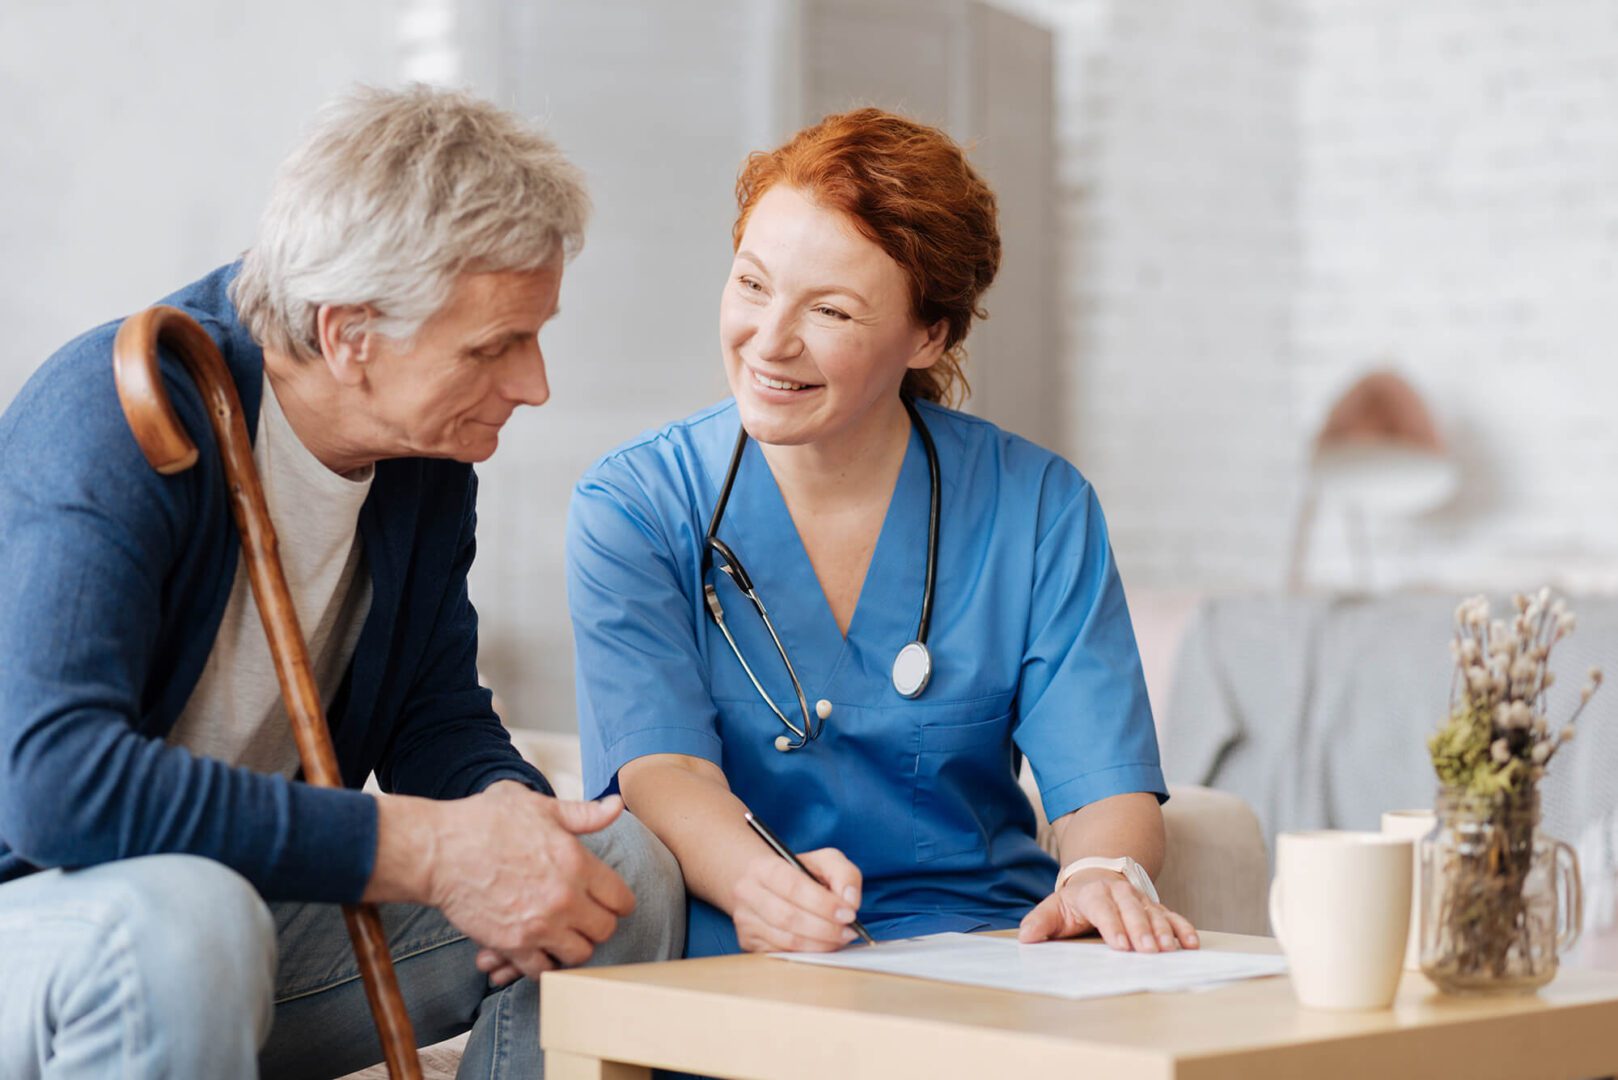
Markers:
point(447, 392)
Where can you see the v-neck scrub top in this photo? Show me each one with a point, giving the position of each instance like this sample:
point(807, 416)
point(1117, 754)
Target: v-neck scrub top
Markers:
point(1033, 654)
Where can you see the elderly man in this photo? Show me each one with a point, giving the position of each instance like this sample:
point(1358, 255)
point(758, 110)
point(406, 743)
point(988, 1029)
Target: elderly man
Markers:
point(168, 887)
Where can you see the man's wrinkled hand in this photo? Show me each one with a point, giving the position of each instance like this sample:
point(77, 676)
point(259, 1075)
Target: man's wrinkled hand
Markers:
point(508, 870)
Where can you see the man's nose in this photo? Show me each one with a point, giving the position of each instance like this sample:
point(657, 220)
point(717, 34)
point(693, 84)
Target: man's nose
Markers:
point(526, 383)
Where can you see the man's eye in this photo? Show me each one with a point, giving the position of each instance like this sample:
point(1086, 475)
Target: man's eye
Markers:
point(750, 284)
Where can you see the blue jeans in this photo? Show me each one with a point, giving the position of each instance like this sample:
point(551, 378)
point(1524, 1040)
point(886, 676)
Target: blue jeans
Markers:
point(171, 965)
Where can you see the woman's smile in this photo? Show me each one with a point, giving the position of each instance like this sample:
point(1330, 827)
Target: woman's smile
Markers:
point(774, 388)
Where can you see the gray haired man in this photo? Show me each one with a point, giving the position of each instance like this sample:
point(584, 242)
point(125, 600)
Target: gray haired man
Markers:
point(168, 886)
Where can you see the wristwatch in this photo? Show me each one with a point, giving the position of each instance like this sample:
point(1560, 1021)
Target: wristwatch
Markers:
point(1133, 872)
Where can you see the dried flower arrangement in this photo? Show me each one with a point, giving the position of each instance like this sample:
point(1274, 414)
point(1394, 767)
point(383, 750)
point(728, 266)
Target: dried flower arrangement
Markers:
point(1498, 740)
point(1490, 893)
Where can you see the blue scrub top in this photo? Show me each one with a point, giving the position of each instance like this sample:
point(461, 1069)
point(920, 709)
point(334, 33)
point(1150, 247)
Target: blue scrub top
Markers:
point(1033, 654)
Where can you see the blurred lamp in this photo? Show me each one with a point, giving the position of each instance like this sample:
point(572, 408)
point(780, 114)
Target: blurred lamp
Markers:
point(1378, 453)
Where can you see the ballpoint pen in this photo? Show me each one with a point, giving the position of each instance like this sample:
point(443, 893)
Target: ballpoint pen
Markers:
point(769, 837)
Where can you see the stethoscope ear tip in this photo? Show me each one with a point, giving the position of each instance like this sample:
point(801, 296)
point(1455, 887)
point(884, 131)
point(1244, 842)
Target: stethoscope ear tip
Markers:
point(782, 743)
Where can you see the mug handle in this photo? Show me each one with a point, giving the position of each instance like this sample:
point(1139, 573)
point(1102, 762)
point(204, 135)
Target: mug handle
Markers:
point(1275, 911)
point(1570, 896)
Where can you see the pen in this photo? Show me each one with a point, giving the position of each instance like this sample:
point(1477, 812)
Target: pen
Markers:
point(782, 850)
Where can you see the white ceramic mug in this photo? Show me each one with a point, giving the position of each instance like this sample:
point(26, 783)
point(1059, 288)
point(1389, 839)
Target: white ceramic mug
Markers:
point(1340, 906)
point(1412, 825)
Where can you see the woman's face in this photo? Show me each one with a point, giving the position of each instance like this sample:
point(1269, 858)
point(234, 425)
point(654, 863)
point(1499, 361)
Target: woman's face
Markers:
point(815, 324)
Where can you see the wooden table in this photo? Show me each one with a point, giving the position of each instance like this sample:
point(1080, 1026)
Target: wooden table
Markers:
point(753, 1016)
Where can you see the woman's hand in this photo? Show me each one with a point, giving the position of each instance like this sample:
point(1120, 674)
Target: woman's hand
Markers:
point(1104, 901)
point(778, 909)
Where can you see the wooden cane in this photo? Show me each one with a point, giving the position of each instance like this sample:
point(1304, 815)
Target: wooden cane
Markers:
point(170, 450)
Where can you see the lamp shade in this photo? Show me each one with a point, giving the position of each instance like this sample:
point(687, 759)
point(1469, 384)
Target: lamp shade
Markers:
point(1380, 450)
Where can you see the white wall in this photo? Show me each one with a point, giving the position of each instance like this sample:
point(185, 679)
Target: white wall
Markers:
point(137, 143)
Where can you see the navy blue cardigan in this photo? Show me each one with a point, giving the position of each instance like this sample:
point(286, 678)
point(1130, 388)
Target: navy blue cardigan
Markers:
point(115, 582)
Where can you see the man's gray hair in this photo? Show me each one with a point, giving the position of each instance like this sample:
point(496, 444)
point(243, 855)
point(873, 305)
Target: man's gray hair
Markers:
point(392, 196)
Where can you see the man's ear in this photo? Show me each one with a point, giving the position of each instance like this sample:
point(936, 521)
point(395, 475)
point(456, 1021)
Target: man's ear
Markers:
point(345, 340)
point(931, 347)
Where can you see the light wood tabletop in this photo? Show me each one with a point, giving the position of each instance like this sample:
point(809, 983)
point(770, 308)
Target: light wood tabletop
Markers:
point(758, 1017)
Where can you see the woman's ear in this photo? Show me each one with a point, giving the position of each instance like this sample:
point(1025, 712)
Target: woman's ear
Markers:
point(930, 347)
point(345, 341)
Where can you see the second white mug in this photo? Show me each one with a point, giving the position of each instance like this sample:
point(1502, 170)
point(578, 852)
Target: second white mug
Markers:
point(1414, 824)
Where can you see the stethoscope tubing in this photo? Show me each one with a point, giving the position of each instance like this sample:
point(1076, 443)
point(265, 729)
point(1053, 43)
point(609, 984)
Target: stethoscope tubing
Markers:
point(733, 568)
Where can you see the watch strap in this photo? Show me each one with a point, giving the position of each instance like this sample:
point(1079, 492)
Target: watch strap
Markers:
point(1132, 871)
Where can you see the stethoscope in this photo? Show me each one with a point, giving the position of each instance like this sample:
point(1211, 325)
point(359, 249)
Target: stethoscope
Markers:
point(912, 668)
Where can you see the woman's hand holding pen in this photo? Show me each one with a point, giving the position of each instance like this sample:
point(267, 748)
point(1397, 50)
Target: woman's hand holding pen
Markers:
point(1104, 901)
point(778, 909)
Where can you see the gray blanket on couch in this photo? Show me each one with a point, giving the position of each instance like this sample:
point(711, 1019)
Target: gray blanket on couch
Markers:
point(1316, 710)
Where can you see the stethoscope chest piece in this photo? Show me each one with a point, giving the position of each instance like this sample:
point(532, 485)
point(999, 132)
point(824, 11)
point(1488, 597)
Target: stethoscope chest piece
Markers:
point(911, 669)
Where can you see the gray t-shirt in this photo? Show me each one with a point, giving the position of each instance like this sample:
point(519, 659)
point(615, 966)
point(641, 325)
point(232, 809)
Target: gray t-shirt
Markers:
point(236, 714)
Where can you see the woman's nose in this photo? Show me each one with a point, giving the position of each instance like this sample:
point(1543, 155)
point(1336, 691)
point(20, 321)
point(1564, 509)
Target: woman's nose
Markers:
point(776, 336)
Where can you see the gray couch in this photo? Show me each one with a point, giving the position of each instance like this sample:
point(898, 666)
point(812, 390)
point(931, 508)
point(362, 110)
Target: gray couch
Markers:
point(1315, 711)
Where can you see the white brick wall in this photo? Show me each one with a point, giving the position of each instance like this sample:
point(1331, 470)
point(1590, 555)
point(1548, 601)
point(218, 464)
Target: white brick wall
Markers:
point(1459, 209)
point(1177, 165)
point(1261, 198)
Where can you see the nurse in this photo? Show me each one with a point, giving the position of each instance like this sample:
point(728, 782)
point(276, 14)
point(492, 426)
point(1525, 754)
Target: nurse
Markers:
point(862, 248)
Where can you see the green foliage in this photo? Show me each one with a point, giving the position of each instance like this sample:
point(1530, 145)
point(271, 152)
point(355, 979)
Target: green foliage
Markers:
point(1460, 751)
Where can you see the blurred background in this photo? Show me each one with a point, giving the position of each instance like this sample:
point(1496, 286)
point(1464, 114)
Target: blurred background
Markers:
point(1219, 219)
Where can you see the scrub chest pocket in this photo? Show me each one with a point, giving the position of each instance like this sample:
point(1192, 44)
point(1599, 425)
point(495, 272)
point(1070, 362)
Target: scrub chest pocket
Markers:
point(963, 770)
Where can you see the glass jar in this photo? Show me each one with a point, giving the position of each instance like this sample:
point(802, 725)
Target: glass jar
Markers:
point(1500, 900)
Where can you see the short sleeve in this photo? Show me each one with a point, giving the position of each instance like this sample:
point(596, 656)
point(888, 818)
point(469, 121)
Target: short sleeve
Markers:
point(1083, 721)
point(642, 682)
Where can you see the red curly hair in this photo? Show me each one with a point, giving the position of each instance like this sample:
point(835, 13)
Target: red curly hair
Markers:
point(907, 187)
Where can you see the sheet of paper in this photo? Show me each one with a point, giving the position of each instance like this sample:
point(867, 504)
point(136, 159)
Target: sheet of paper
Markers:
point(1068, 969)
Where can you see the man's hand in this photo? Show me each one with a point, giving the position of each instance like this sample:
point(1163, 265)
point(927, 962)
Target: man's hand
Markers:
point(778, 909)
point(1104, 901)
point(506, 868)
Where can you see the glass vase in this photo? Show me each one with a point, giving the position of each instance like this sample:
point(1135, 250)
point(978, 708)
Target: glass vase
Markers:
point(1500, 900)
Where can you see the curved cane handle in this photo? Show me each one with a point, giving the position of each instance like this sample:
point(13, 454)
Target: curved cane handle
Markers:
point(169, 449)
point(162, 438)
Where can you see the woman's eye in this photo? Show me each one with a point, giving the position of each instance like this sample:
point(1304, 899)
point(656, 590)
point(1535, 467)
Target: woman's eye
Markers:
point(831, 312)
point(750, 284)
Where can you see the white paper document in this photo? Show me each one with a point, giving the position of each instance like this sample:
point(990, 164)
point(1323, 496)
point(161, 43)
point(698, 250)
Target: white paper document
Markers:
point(1066, 969)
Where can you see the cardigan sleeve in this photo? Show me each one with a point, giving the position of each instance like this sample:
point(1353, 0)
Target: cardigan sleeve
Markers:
point(89, 539)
